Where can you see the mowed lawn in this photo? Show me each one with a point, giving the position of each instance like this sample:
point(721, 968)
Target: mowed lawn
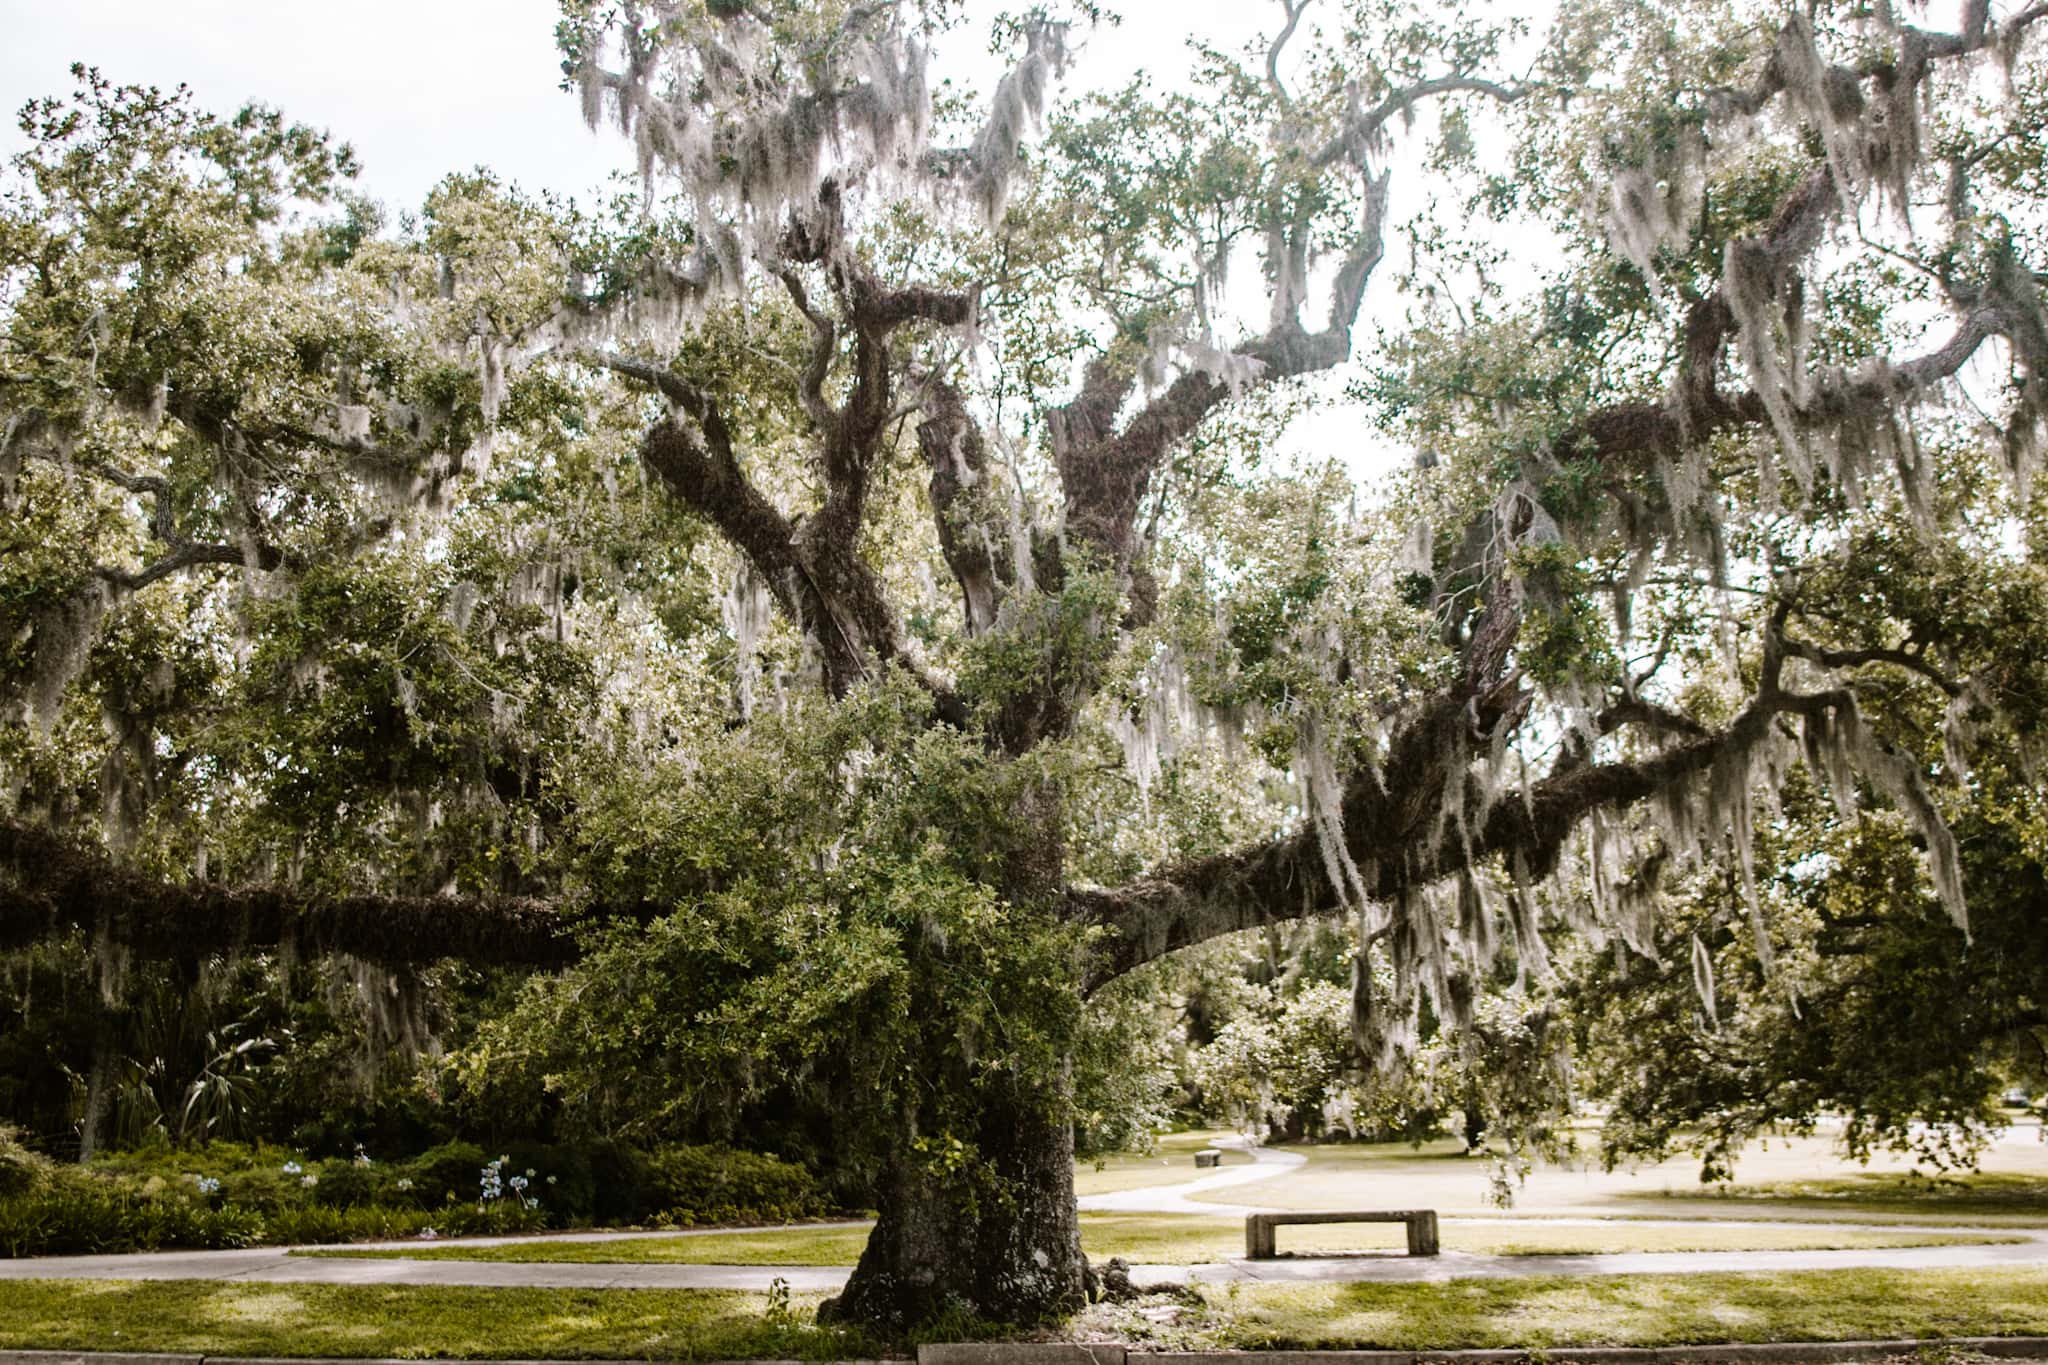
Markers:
point(1644, 1310)
point(1171, 1162)
point(1187, 1239)
point(419, 1321)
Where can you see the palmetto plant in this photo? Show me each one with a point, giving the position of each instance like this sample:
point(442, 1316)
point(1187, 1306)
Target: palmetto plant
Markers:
point(221, 1099)
point(180, 1079)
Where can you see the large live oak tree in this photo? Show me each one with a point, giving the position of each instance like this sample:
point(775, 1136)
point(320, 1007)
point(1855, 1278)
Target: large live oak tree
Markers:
point(826, 301)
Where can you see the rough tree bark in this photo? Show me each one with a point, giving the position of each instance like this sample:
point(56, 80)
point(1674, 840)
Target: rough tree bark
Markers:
point(1005, 1242)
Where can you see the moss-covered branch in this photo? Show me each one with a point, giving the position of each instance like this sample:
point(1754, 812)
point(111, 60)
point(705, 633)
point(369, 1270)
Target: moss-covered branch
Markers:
point(51, 884)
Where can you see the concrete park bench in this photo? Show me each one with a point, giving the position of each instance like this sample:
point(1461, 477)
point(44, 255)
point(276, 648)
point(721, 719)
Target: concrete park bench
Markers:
point(1207, 1157)
point(1258, 1228)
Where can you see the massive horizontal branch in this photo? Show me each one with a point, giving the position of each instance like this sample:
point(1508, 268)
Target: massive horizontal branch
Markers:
point(1287, 877)
point(50, 884)
point(1178, 907)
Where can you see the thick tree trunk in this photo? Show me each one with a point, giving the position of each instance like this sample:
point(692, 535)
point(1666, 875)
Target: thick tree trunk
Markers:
point(995, 1236)
point(980, 1219)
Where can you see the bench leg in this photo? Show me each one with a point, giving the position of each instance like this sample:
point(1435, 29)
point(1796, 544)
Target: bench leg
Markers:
point(1258, 1239)
point(1422, 1234)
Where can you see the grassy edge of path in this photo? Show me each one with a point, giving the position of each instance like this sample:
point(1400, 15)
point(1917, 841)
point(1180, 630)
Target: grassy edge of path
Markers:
point(1182, 1239)
point(420, 1321)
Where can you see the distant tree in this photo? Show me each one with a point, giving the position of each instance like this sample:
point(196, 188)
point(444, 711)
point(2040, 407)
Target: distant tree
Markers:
point(1880, 1011)
point(1623, 593)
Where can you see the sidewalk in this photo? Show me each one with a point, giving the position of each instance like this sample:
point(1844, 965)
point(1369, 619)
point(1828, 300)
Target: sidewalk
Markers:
point(273, 1265)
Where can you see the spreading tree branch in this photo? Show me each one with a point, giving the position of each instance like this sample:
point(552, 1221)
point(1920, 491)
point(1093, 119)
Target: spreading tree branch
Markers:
point(49, 885)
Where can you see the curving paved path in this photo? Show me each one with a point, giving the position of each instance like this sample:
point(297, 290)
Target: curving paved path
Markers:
point(1266, 1163)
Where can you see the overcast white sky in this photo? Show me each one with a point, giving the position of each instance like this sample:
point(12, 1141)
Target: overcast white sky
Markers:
point(425, 87)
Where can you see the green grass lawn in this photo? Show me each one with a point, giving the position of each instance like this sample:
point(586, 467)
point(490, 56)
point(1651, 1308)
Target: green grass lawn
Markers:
point(1970, 1195)
point(212, 1318)
point(1186, 1239)
point(420, 1321)
point(1636, 1310)
point(1170, 1163)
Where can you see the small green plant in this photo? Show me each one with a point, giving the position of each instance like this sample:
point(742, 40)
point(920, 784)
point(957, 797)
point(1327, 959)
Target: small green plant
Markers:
point(778, 1314)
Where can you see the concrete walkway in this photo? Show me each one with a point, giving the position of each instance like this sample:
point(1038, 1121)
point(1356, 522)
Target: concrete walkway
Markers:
point(273, 1265)
point(1182, 1198)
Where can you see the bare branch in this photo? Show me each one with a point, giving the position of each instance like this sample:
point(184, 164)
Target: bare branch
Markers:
point(710, 482)
point(1858, 658)
point(185, 553)
point(811, 387)
point(190, 555)
point(1295, 9)
point(1369, 125)
point(661, 378)
point(1636, 711)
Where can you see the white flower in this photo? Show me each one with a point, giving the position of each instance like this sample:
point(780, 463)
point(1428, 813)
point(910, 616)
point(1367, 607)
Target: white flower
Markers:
point(292, 1168)
point(428, 1234)
point(309, 1181)
point(405, 1182)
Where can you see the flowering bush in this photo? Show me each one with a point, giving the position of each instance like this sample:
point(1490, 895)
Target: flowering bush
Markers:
point(229, 1194)
point(492, 1184)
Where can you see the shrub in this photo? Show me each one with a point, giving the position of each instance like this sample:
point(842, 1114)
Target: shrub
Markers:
point(266, 1189)
point(217, 1159)
point(83, 1217)
point(620, 1179)
point(444, 1174)
point(563, 1181)
point(315, 1223)
point(718, 1184)
point(500, 1218)
point(346, 1185)
point(21, 1170)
